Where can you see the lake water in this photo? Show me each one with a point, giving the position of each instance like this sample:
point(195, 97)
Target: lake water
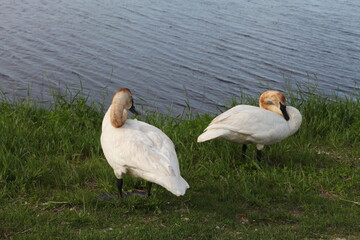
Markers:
point(173, 52)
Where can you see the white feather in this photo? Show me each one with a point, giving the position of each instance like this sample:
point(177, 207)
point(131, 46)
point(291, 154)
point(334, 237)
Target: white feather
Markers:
point(144, 151)
point(250, 124)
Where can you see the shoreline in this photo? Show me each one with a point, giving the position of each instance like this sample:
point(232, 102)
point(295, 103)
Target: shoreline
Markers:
point(52, 169)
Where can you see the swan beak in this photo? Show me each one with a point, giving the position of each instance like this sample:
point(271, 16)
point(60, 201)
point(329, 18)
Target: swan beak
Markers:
point(284, 112)
point(132, 109)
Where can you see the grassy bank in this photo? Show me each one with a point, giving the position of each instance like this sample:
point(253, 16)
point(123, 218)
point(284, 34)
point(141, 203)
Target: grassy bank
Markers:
point(307, 187)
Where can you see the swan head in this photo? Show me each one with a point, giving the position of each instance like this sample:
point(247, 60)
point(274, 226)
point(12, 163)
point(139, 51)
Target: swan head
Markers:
point(121, 102)
point(274, 101)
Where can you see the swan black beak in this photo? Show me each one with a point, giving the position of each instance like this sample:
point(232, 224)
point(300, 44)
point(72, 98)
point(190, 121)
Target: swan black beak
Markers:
point(132, 109)
point(284, 112)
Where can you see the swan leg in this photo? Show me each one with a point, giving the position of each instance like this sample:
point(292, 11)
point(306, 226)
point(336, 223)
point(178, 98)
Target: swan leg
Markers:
point(243, 150)
point(120, 185)
point(258, 155)
point(148, 188)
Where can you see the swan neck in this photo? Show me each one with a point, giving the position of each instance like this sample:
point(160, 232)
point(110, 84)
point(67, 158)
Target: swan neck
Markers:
point(118, 115)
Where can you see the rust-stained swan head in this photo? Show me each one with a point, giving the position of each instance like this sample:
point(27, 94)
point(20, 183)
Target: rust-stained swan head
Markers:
point(274, 101)
point(121, 102)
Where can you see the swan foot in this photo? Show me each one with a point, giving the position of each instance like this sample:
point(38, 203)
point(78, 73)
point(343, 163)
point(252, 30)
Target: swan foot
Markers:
point(258, 155)
point(243, 151)
point(120, 183)
point(113, 197)
point(110, 197)
point(138, 193)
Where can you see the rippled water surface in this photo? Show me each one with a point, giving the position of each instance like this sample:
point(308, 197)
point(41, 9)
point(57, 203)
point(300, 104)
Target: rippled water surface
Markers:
point(203, 52)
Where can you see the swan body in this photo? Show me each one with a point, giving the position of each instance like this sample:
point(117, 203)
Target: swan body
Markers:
point(138, 148)
point(270, 123)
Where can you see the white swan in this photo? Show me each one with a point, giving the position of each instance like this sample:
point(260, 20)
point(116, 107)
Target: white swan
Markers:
point(140, 149)
point(270, 123)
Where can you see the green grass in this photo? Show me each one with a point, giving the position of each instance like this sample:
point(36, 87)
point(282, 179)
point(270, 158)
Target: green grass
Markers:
point(307, 187)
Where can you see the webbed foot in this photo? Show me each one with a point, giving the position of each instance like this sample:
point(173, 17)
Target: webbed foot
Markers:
point(110, 197)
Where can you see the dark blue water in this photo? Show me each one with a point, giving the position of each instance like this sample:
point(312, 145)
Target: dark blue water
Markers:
point(173, 52)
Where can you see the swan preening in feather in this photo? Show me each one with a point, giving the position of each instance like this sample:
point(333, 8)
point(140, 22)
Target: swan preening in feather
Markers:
point(137, 148)
point(270, 123)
